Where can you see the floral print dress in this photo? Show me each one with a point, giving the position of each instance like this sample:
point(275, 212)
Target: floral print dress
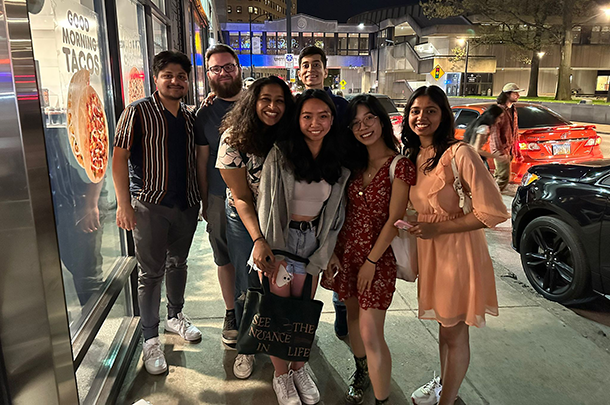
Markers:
point(368, 209)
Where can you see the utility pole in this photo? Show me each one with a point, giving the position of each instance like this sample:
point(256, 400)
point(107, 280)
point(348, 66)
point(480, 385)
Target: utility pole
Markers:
point(288, 34)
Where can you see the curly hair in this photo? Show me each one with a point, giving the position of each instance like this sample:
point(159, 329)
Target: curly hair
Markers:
point(248, 134)
point(356, 155)
point(297, 156)
point(444, 136)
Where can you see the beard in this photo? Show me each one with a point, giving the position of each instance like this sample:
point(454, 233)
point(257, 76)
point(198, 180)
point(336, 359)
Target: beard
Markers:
point(226, 89)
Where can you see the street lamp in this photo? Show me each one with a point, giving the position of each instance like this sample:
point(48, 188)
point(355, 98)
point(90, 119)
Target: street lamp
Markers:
point(461, 42)
point(250, 12)
point(378, 44)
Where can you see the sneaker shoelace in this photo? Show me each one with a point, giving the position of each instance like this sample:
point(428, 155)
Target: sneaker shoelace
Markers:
point(184, 322)
point(430, 385)
point(303, 379)
point(244, 359)
point(287, 386)
point(230, 323)
point(153, 351)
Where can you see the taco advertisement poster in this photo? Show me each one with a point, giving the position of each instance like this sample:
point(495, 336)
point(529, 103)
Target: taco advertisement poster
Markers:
point(77, 33)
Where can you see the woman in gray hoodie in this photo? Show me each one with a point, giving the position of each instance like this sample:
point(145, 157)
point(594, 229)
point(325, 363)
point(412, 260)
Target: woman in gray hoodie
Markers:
point(301, 209)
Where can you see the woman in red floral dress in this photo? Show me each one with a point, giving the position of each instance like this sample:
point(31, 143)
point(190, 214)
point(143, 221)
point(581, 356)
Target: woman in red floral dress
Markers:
point(363, 260)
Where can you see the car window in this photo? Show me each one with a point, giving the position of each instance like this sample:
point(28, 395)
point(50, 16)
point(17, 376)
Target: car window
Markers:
point(465, 117)
point(388, 105)
point(535, 117)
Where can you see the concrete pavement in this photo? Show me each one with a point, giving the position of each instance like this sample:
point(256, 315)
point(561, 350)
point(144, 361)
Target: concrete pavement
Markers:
point(535, 352)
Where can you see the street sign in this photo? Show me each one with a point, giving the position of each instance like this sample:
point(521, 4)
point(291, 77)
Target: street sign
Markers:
point(437, 72)
point(289, 59)
point(342, 83)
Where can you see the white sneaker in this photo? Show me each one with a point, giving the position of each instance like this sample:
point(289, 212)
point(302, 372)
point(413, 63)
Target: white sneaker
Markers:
point(306, 386)
point(284, 388)
point(429, 393)
point(182, 325)
point(243, 366)
point(153, 357)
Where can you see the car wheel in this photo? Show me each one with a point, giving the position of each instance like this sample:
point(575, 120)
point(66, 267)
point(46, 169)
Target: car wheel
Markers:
point(554, 260)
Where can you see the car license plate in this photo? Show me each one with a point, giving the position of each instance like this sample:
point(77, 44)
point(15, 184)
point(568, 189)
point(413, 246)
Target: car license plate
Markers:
point(562, 149)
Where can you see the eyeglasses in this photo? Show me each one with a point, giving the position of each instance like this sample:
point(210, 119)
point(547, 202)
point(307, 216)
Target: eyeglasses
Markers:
point(229, 68)
point(368, 121)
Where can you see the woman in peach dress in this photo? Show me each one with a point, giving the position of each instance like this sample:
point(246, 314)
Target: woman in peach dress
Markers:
point(456, 284)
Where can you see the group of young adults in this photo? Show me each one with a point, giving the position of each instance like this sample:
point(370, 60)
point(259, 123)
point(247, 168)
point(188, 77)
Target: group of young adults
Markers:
point(310, 177)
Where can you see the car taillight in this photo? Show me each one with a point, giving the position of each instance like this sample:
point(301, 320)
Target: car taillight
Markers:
point(528, 146)
point(396, 119)
point(594, 141)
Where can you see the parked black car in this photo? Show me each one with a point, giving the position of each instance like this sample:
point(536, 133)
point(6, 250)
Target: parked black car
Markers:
point(561, 228)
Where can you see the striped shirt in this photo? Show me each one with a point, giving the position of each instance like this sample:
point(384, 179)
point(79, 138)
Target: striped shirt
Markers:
point(144, 121)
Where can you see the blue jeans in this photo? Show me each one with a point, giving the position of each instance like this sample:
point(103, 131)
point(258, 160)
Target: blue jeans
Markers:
point(302, 244)
point(240, 246)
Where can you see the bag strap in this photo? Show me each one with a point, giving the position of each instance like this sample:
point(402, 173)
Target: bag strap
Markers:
point(393, 166)
point(457, 183)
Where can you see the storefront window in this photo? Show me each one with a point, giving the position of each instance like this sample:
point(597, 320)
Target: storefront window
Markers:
point(271, 43)
point(159, 35)
point(307, 39)
point(281, 41)
point(319, 39)
point(71, 49)
point(198, 76)
point(296, 46)
point(330, 44)
point(245, 41)
point(132, 42)
point(602, 83)
point(257, 43)
point(342, 44)
point(234, 40)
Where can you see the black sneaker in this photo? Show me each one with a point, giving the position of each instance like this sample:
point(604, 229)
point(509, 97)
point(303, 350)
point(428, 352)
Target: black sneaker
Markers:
point(229, 331)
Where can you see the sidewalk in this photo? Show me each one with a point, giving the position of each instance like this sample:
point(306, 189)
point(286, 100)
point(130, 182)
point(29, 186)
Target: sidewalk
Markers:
point(527, 355)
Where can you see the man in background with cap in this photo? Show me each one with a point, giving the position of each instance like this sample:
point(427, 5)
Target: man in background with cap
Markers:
point(504, 135)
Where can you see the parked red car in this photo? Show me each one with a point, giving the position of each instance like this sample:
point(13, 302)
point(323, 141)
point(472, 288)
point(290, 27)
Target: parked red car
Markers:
point(544, 137)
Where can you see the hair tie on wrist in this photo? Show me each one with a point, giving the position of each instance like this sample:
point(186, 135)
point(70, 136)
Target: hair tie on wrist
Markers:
point(369, 260)
point(257, 239)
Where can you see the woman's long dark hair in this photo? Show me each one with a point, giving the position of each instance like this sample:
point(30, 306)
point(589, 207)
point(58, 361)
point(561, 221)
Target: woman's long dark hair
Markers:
point(356, 156)
point(327, 165)
point(488, 118)
point(248, 133)
point(444, 136)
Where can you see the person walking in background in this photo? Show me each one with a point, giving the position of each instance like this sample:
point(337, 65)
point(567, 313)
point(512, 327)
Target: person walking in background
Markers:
point(456, 285)
point(154, 158)
point(477, 133)
point(366, 265)
point(224, 77)
point(249, 131)
point(504, 136)
point(312, 72)
point(301, 209)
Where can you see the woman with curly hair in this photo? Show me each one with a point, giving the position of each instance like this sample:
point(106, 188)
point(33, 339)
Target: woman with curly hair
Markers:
point(456, 285)
point(249, 131)
point(365, 262)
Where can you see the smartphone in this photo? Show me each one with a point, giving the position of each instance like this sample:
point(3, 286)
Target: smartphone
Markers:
point(400, 224)
point(283, 277)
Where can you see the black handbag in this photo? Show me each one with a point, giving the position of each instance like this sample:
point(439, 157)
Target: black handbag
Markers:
point(283, 327)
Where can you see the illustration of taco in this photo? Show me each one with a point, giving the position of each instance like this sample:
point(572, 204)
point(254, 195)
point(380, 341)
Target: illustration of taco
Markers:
point(135, 87)
point(87, 126)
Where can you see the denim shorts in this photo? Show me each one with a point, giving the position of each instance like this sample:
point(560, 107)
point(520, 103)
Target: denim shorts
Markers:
point(302, 244)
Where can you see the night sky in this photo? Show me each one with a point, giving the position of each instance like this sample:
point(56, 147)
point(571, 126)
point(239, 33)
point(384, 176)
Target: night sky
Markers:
point(341, 10)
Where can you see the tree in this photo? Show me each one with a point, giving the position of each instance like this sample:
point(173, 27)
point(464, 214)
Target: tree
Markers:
point(526, 24)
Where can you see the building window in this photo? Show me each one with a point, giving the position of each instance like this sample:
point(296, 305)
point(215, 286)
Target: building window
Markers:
point(245, 41)
point(330, 46)
point(229, 9)
point(576, 31)
point(307, 39)
point(296, 45)
point(318, 39)
point(342, 46)
point(238, 9)
point(363, 46)
point(271, 43)
point(159, 35)
point(234, 41)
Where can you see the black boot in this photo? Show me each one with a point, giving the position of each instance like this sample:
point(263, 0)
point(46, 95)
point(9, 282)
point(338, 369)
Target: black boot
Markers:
point(360, 382)
point(382, 401)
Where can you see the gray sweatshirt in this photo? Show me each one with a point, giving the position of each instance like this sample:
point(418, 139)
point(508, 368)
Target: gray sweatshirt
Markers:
point(273, 205)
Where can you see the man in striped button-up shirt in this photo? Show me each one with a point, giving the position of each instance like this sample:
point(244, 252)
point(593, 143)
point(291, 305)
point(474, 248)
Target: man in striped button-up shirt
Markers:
point(154, 171)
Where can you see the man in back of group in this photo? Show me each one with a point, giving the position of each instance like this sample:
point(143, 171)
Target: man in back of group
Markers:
point(504, 134)
point(312, 72)
point(224, 75)
point(157, 198)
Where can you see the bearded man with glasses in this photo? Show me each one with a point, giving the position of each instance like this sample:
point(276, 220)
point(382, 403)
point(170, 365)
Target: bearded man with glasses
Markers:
point(224, 75)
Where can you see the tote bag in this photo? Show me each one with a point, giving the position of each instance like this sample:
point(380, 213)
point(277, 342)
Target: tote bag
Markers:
point(284, 327)
point(404, 245)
